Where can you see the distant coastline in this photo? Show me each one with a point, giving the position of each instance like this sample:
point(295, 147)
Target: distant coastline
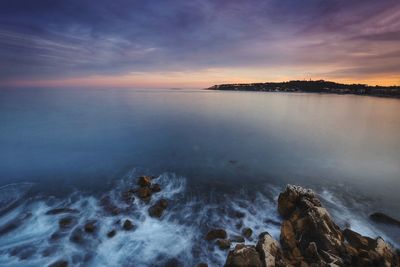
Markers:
point(319, 86)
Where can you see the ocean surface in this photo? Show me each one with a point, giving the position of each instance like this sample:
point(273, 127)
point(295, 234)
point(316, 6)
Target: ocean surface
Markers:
point(215, 154)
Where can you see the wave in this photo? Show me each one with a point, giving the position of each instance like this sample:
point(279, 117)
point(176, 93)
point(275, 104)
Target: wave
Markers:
point(38, 232)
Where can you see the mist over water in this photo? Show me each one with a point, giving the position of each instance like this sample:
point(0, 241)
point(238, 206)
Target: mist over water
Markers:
point(214, 153)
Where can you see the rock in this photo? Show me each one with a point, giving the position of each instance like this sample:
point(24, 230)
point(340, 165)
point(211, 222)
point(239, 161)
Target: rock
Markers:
point(269, 250)
point(128, 196)
point(90, 226)
point(155, 188)
point(172, 263)
point(144, 181)
point(61, 210)
point(223, 244)
point(247, 232)
point(358, 241)
point(66, 222)
point(112, 233)
point(216, 233)
point(288, 200)
point(157, 209)
point(108, 206)
point(59, 263)
point(380, 217)
point(236, 239)
point(77, 236)
point(243, 256)
point(202, 264)
point(128, 225)
point(144, 193)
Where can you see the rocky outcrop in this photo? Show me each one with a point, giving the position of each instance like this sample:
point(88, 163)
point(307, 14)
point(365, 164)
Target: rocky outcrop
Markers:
point(380, 217)
point(309, 237)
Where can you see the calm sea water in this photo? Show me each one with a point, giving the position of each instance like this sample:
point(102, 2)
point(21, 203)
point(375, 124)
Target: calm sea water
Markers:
point(207, 145)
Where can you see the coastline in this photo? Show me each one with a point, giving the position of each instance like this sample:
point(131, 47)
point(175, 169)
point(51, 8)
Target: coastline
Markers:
point(321, 86)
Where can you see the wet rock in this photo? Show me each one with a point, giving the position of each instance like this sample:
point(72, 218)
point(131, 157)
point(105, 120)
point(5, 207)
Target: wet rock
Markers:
point(173, 263)
point(23, 252)
point(237, 239)
point(380, 217)
point(223, 244)
point(202, 264)
point(108, 206)
point(66, 222)
point(77, 236)
point(144, 181)
point(273, 222)
point(215, 233)
point(269, 250)
point(61, 211)
point(243, 256)
point(157, 209)
point(128, 196)
point(155, 188)
point(247, 232)
point(111, 233)
point(128, 225)
point(14, 223)
point(358, 241)
point(90, 226)
point(59, 263)
point(144, 193)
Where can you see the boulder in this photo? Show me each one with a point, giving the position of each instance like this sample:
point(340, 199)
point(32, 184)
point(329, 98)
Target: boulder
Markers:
point(223, 244)
point(90, 226)
point(144, 193)
point(269, 251)
point(127, 225)
point(247, 232)
point(157, 209)
point(243, 256)
point(111, 233)
point(144, 181)
point(216, 233)
point(66, 222)
point(155, 188)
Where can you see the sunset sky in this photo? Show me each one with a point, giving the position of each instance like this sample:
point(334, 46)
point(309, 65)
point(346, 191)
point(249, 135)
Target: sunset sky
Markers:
point(197, 43)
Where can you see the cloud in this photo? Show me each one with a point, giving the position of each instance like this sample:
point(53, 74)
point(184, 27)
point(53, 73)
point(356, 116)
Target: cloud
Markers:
point(47, 40)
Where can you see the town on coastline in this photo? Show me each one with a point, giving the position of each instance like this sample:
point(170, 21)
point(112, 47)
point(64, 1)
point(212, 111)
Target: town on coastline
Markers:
point(319, 86)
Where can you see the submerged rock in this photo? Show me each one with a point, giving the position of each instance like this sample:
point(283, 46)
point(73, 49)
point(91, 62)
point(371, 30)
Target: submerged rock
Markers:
point(90, 226)
point(202, 264)
point(128, 225)
point(157, 209)
point(223, 244)
point(380, 217)
point(237, 239)
point(59, 263)
point(216, 233)
point(247, 232)
point(66, 222)
point(61, 210)
point(111, 233)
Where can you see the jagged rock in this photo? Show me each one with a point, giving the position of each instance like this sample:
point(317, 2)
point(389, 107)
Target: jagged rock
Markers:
point(243, 256)
point(247, 232)
point(237, 239)
point(155, 188)
point(380, 217)
point(128, 225)
point(157, 209)
point(223, 244)
point(358, 241)
point(269, 250)
point(216, 233)
point(90, 226)
point(112, 233)
point(59, 263)
point(144, 181)
point(144, 193)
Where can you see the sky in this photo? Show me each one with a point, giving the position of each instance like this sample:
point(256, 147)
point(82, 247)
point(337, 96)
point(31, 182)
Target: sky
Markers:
point(197, 43)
